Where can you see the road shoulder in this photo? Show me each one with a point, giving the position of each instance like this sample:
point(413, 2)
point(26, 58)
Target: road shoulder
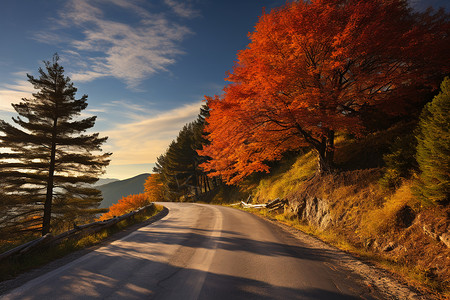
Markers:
point(379, 279)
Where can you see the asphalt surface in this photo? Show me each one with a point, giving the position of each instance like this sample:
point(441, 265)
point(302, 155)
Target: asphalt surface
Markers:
point(201, 251)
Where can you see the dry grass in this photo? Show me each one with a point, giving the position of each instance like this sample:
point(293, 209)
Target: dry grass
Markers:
point(382, 219)
point(411, 273)
point(281, 184)
point(366, 216)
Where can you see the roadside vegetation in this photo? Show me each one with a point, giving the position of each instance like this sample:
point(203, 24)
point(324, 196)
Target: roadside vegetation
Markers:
point(13, 267)
point(152, 193)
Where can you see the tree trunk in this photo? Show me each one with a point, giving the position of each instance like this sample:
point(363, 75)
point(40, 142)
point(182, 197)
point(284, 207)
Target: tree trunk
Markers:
point(203, 183)
point(200, 182)
point(326, 153)
point(208, 186)
point(49, 195)
point(324, 148)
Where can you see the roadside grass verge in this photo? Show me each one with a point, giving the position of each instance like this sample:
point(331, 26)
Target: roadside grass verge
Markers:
point(16, 265)
point(385, 226)
point(406, 271)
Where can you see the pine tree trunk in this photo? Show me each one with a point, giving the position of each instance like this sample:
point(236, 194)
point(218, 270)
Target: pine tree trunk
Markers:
point(200, 182)
point(203, 183)
point(208, 186)
point(49, 195)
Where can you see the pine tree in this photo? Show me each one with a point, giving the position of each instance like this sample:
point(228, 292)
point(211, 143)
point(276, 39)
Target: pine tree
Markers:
point(179, 168)
point(50, 159)
point(433, 149)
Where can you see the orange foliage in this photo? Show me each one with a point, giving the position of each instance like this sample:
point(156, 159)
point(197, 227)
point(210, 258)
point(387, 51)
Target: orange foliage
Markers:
point(125, 205)
point(153, 192)
point(312, 68)
point(154, 188)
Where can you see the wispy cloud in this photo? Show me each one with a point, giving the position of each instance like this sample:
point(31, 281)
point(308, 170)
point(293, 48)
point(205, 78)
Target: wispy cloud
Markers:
point(84, 76)
point(182, 8)
point(127, 110)
point(128, 51)
point(142, 141)
point(13, 93)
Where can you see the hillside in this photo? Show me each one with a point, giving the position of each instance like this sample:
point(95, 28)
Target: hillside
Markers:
point(352, 209)
point(103, 181)
point(114, 191)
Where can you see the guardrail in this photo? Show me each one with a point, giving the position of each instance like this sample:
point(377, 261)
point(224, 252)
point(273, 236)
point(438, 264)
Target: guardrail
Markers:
point(86, 229)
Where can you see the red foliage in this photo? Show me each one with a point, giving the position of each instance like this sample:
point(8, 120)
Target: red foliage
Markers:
point(311, 69)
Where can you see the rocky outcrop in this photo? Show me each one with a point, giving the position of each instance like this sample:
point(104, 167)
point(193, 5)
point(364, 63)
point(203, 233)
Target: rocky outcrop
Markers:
point(313, 210)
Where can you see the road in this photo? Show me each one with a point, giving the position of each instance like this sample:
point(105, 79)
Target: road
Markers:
point(201, 251)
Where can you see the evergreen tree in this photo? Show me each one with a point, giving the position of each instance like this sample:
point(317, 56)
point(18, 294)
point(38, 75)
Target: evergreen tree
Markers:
point(181, 163)
point(179, 167)
point(433, 149)
point(50, 159)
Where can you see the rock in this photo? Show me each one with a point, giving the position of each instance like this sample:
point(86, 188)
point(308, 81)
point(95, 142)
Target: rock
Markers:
point(445, 238)
point(300, 207)
point(313, 210)
point(376, 245)
point(317, 212)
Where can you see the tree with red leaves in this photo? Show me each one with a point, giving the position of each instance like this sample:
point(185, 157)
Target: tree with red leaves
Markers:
point(312, 69)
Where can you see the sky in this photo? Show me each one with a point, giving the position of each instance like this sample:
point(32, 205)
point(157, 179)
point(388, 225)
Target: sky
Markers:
point(144, 64)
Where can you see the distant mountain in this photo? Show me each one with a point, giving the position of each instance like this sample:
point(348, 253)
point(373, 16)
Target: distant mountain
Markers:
point(103, 181)
point(112, 192)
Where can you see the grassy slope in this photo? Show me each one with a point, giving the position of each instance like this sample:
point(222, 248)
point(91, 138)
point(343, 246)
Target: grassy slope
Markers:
point(367, 218)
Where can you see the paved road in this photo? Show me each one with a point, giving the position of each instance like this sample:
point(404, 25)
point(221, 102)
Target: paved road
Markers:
point(200, 252)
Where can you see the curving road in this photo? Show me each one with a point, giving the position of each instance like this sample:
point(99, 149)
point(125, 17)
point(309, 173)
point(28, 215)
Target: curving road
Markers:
point(201, 252)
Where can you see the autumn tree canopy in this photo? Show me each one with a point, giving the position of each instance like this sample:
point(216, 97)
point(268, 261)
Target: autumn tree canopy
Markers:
point(313, 68)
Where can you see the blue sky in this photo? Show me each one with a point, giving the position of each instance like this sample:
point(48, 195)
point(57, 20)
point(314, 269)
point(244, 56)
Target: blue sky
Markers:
point(145, 64)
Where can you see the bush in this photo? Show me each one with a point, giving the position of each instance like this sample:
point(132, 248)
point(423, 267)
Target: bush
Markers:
point(126, 205)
